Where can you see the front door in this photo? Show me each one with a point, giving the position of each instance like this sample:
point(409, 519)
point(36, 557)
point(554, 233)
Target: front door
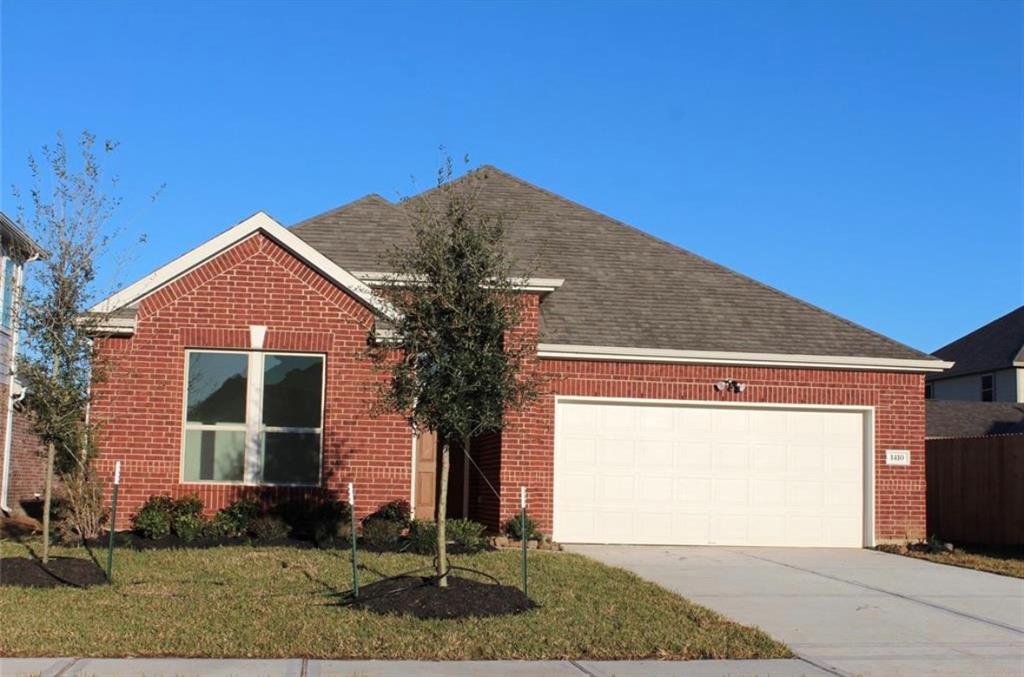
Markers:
point(425, 476)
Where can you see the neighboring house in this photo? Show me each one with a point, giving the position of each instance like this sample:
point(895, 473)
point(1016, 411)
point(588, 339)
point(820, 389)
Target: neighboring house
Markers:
point(21, 476)
point(685, 403)
point(989, 364)
point(952, 418)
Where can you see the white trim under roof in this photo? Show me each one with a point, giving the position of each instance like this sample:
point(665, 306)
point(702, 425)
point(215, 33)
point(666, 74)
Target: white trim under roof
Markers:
point(543, 285)
point(258, 222)
point(606, 353)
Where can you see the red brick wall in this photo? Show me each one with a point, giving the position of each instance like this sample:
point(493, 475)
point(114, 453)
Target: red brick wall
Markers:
point(28, 461)
point(139, 404)
point(527, 449)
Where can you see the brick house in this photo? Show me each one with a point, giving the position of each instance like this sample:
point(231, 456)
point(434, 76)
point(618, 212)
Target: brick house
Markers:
point(685, 403)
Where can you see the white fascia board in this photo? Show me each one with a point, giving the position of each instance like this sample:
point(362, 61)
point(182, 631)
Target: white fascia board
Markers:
point(114, 326)
point(606, 353)
point(258, 222)
point(534, 284)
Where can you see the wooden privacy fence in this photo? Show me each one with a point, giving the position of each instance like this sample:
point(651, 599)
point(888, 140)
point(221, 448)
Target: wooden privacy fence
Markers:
point(976, 489)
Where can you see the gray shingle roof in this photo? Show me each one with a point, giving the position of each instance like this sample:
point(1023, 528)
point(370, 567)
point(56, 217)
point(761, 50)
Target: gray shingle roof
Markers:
point(951, 418)
point(997, 345)
point(623, 287)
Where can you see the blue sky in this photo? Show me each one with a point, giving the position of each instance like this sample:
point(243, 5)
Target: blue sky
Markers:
point(864, 156)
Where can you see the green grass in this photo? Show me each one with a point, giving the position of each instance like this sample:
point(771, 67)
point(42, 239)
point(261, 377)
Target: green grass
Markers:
point(277, 602)
point(1004, 561)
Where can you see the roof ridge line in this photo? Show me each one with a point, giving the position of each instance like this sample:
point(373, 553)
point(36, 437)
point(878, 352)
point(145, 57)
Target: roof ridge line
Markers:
point(335, 210)
point(743, 276)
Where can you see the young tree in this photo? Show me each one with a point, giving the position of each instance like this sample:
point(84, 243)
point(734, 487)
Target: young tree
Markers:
point(69, 214)
point(455, 363)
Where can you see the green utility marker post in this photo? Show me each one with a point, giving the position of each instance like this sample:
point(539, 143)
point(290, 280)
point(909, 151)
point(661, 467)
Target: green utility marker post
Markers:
point(113, 522)
point(523, 534)
point(355, 568)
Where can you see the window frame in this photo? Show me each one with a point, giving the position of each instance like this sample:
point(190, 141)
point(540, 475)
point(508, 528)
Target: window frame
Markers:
point(929, 391)
point(991, 387)
point(8, 260)
point(253, 426)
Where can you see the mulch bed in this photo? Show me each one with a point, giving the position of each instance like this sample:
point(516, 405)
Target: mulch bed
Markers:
point(60, 572)
point(463, 598)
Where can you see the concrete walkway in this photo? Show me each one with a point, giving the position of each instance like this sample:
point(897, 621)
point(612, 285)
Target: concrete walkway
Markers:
point(203, 667)
point(852, 612)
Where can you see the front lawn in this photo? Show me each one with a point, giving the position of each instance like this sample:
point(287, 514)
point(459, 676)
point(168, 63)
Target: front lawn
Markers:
point(1005, 561)
point(284, 602)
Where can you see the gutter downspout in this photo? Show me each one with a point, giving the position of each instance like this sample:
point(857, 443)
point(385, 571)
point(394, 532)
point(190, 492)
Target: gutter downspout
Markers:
point(4, 481)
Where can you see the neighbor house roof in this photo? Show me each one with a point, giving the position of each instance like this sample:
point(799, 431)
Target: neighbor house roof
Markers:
point(997, 345)
point(19, 237)
point(626, 293)
point(952, 418)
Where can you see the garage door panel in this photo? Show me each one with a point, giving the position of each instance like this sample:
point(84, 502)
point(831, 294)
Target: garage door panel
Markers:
point(731, 457)
point(693, 457)
point(693, 490)
point(700, 474)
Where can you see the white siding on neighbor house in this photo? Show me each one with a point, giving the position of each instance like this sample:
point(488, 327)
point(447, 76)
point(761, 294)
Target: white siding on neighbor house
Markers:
point(1008, 384)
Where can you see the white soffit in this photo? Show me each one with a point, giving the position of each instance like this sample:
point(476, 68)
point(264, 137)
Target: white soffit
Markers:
point(606, 353)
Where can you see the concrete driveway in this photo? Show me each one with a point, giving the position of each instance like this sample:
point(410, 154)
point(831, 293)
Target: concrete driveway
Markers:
point(852, 612)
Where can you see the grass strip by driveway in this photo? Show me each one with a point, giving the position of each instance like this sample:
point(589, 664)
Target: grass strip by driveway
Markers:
point(283, 602)
point(1004, 561)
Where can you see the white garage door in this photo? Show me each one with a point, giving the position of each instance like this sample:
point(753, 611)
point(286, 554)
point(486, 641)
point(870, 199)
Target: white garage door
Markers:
point(691, 474)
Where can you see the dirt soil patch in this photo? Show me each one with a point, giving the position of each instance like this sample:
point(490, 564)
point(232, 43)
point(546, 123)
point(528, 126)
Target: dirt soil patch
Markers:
point(463, 598)
point(60, 572)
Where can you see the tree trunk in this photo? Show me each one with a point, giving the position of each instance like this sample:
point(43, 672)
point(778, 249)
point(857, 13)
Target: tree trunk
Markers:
point(47, 496)
point(442, 510)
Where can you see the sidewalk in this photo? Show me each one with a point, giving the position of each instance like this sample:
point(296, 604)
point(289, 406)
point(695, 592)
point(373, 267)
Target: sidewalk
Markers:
point(296, 667)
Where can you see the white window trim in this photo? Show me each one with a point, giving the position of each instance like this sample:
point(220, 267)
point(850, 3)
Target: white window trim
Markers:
point(252, 427)
point(15, 283)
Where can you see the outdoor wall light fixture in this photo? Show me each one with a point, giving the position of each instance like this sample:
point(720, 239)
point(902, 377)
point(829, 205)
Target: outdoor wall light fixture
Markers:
point(730, 384)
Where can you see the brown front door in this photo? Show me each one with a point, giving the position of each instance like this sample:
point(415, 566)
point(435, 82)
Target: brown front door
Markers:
point(426, 475)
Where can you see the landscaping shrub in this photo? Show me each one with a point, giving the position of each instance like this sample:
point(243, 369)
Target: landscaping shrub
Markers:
point(514, 528)
point(382, 534)
point(268, 528)
point(305, 516)
point(153, 520)
point(467, 534)
point(233, 520)
point(423, 537)
point(189, 526)
point(188, 505)
point(329, 533)
point(395, 511)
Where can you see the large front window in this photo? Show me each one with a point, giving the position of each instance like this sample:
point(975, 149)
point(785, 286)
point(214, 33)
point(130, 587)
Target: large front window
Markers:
point(253, 418)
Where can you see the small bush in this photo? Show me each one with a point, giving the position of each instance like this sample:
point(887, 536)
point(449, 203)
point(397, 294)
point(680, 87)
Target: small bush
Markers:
point(423, 537)
point(395, 511)
point(382, 533)
point(233, 520)
point(465, 533)
point(305, 516)
point(189, 526)
point(153, 520)
point(328, 533)
point(514, 528)
point(188, 505)
point(268, 528)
